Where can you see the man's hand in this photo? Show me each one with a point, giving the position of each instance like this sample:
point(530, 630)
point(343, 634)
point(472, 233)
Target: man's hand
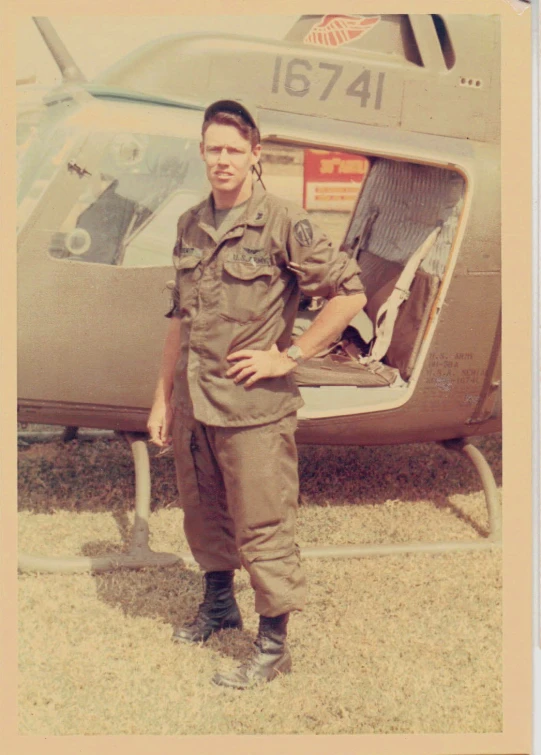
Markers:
point(254, 365)
point(160, 422)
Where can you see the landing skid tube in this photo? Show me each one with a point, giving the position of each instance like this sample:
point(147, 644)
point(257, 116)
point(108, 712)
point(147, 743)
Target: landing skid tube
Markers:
point(490, 541)
point(139, 554)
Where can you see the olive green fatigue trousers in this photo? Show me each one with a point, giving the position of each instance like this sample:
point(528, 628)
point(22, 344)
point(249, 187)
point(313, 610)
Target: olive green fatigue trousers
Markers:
point(238, 488)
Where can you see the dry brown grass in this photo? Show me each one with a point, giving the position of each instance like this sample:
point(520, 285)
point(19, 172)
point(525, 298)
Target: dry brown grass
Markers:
point(392, 644)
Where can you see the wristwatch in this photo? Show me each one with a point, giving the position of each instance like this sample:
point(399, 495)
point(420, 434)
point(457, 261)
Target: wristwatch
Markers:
point(294, 352)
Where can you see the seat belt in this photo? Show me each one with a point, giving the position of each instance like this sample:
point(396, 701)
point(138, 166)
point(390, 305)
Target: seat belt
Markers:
point(388, 312)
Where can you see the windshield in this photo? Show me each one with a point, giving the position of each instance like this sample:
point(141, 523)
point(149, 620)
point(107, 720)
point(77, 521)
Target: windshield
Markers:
point(38, 159)
point(115, 198)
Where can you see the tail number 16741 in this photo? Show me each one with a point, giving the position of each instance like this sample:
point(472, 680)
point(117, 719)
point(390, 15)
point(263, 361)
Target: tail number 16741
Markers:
point(297, 80)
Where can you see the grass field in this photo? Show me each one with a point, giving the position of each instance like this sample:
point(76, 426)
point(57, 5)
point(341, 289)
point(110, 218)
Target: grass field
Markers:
point(388, 644)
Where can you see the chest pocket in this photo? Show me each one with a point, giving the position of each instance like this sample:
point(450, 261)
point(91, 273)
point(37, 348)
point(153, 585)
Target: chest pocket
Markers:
point(187, 267)
point(246, 288)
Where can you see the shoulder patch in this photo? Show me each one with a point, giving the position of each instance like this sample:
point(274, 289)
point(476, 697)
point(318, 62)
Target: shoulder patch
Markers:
point(303, 232)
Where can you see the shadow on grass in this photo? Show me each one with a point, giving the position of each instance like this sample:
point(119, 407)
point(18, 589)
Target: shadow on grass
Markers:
point(168, 595)
point(458, 513)
point(351, 476)
point(372, 475)
point(99, 476)
point(87, 476)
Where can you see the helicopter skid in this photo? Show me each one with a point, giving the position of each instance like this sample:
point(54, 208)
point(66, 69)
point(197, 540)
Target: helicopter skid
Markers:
point(490, 541)
point(141, 556)
point(109, 562)
point(390, 549)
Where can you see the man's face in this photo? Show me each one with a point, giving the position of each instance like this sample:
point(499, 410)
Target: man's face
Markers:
point(228, 157)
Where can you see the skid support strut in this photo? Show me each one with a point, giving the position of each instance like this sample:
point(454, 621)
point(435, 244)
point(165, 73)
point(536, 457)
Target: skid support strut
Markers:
point(139, 554)
point(492, 540)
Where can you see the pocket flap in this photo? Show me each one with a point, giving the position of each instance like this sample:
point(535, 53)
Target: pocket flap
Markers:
point(247, 270)
point(188, 261)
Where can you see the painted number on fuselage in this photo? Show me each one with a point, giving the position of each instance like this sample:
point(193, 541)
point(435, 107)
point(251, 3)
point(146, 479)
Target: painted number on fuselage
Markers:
point(296, 79)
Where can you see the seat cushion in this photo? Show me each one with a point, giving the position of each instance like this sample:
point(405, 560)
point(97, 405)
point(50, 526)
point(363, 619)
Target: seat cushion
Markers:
point(336, 370)
point(412, 319)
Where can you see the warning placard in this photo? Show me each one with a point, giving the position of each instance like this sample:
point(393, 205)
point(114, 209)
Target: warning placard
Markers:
point(332, 179)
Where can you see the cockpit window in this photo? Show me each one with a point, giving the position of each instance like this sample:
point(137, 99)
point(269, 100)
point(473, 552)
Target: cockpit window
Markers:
point(39, 158)
point(118, 198)
point(153, 241)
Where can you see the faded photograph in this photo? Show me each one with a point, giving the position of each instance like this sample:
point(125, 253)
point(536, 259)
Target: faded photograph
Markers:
point(259, 375)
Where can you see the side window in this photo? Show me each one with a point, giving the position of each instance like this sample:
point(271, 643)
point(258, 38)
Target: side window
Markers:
point(120, 198)
point(326, 183)
point(39, 159)
point(152, 245)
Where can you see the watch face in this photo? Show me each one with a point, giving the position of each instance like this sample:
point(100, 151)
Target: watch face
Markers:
point(295, 353)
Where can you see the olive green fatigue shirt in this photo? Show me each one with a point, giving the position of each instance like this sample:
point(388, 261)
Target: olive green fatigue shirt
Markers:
point(239, 288)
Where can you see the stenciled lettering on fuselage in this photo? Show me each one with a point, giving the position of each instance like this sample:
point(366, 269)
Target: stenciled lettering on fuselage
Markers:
point(298, 77)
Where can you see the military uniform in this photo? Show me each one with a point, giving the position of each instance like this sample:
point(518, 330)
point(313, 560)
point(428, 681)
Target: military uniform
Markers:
point(235, 452)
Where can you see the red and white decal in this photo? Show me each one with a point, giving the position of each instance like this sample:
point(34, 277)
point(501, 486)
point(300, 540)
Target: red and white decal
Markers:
point(333, 31)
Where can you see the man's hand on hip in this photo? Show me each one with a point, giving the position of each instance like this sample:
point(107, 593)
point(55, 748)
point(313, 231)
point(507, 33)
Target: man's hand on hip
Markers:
point(254, 365)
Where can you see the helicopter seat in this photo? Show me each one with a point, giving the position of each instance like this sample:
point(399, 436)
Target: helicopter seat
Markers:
point(413, 316)
point(399, 208)
point(342, 365)
point(339, 364)
point(336, 369)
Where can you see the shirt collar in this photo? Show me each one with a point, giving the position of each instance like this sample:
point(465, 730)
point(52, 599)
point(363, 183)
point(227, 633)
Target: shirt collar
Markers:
point(255, 212)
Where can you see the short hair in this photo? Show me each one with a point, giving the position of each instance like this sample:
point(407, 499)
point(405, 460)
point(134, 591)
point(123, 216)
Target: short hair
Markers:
point(226, 118)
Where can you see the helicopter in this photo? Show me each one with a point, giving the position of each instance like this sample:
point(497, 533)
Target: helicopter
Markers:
point(385, 127)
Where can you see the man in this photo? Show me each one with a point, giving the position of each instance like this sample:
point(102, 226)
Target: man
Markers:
point(226, 395)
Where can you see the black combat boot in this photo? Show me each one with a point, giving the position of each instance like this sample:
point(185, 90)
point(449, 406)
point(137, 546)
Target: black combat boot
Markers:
point(219, 610)
point(270, 659)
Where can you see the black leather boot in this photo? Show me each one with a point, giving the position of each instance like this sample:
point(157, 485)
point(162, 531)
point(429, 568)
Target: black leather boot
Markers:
point(219, 610)
point(270, 659)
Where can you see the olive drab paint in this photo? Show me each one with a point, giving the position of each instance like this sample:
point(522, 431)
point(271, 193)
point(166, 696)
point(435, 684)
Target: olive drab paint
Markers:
point(421, 91)
point(423, 73)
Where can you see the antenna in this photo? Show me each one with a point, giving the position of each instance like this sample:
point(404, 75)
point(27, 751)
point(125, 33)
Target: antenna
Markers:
point(68, 67)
